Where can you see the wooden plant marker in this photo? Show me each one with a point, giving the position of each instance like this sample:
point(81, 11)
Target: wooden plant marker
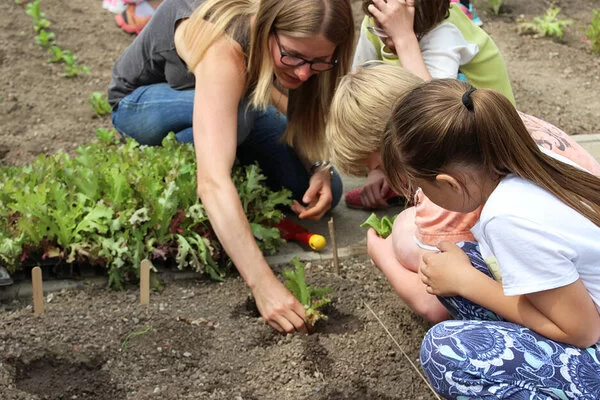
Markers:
point(336, 261)
point(145, 266)
point(38, 290)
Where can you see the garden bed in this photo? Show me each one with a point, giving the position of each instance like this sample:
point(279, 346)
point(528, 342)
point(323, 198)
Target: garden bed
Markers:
point(204, 340)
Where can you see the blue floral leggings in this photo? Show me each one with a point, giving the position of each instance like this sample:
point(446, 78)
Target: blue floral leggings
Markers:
point(481, 356)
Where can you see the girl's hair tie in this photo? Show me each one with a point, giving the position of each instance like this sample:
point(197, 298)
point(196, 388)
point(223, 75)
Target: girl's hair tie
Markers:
point(467, 100)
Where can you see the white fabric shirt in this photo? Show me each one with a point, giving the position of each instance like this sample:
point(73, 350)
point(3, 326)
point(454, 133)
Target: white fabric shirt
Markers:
point(532, 241)
point(444, 50)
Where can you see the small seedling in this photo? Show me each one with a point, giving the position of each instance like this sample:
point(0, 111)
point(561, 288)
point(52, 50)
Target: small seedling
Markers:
point(548, 25)
point(71, 67)
point(57, 54)
point(310, 297)
point(496, 4)
point(383, 227)
point(40, 24)
point(34, 11)
point(45, 38)
point(99, 103)
point(593, 32)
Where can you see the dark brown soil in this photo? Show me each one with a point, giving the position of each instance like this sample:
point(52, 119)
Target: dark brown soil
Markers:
point(204, 340)
point(201, 339)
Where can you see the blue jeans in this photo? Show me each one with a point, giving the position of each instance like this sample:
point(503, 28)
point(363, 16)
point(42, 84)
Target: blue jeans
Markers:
point(150, 112)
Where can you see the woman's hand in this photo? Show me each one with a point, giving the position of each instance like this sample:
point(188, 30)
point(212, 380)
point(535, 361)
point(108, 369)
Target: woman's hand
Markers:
point(318, 197)
point(396, 17)
point(446, 272)
point(372, 195)
point(279, 307)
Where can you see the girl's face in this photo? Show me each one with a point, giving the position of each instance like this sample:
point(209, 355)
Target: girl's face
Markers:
point(304, 50)
point(463, 190)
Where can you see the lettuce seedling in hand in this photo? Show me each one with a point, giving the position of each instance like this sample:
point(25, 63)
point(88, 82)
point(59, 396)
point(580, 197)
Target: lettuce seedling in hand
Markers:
point(310, 297)
point(383, 227)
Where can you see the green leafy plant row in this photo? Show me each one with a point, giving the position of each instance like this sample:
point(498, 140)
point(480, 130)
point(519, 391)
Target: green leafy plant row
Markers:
point(313, 299)
point(114, 204)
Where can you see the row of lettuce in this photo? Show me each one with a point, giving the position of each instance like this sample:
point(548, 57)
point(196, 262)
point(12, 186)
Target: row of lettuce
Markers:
point(115, 203)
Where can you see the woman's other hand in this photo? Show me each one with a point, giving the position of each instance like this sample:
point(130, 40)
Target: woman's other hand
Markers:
point(317, 198)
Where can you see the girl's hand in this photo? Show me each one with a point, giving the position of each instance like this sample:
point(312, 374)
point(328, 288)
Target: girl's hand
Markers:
point(379, 249)
point(447, 272)
point(396, 17)
point(318, 197)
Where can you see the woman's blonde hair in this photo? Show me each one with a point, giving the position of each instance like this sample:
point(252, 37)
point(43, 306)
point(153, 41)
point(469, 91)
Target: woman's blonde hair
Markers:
point(445, 123)
point(308, 105)
point(361, 107)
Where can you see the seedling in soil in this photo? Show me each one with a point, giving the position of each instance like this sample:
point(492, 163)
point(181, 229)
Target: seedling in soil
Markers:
point(57, 54)
point(548, 25)
point(593, 32)
point(40, 24)
point(99, 103)
point(34, 11)
point(310, 297)
point(45, 38)
point(383, 227)
point(496, 4)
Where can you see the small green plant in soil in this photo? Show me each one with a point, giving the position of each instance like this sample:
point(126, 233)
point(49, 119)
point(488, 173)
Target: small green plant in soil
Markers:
point(34, 10)
point(99, 103)
point(548, 25)
point(593, 32)
point(312, 298)
point(383, 227)
point(496, 4)
point(45, 38)
point(72, 68)
point(57, 54)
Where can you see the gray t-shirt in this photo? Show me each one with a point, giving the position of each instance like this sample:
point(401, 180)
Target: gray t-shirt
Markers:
point(152, 57)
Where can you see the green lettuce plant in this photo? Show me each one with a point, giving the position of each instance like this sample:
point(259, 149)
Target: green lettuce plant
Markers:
point(312, 298)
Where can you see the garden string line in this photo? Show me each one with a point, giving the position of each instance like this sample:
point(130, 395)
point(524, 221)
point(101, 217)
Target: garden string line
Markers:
point(133, 334)
point(402, 351)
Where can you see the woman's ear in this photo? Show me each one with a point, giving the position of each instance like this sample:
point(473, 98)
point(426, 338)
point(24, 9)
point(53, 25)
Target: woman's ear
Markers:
point(449, 181)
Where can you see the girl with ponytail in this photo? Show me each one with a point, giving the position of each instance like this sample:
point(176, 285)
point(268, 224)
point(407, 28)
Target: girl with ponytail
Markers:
point(526, 296)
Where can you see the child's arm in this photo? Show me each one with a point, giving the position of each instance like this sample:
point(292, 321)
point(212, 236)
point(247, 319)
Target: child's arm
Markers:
point(397, 19)
point(557, 314)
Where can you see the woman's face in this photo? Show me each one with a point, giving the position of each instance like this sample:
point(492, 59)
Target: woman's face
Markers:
point(313, 48)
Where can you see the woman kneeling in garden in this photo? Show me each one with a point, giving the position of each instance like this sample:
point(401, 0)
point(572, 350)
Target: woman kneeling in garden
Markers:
point(209, 71)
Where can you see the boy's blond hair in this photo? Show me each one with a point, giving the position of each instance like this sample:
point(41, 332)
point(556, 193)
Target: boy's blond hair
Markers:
point(360, 110)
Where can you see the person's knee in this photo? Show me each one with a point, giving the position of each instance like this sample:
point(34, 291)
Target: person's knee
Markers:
point(406, 250)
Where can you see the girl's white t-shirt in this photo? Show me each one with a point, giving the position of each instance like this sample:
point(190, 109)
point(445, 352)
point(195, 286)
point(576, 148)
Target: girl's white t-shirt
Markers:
point(532, 241)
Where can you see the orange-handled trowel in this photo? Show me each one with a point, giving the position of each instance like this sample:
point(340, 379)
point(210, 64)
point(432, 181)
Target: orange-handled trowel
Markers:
point(293, 231)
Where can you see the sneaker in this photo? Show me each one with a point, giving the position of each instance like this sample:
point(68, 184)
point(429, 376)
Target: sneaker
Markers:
point(5, 278)
point(130, 22)
point(353, 199)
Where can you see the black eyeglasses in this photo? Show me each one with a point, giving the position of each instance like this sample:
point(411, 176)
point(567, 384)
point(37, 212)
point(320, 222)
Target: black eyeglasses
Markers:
point(295, 61)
